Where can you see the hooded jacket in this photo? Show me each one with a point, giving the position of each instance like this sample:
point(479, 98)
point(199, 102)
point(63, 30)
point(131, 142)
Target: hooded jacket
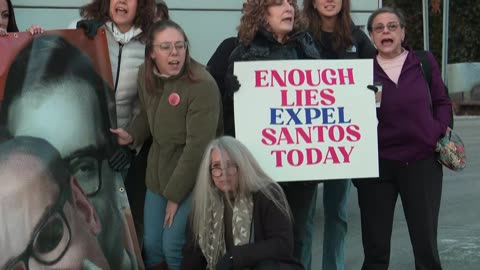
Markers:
point(408, 126)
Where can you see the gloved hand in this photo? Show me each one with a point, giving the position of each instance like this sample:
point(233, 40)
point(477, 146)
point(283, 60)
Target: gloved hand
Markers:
point(90, 27)
point(121, 158)
point(373, 88)
point(226, 262)
point(231, 84)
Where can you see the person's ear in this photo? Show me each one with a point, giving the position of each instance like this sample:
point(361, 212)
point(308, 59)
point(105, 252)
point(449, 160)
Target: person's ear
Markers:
point(84, 208)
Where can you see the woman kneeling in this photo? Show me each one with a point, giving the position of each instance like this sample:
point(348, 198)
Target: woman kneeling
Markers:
point(240, 217)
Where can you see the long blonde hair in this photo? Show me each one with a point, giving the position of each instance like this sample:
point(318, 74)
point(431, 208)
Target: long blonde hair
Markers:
point(251, 178)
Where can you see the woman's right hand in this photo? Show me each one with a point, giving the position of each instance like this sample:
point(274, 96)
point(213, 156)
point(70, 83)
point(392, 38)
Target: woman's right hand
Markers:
point(3, 32)
point(123, 137)
point(35, 30)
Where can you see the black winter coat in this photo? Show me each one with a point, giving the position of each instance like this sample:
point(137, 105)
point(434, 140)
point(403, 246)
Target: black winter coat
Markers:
point(273, 241)
point(264, 47)
point(362, 46)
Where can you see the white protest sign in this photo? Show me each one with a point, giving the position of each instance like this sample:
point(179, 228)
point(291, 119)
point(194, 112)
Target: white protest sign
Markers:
point(308, 119)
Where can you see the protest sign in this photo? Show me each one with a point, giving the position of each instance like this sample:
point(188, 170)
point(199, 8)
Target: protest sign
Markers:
point(308, 119)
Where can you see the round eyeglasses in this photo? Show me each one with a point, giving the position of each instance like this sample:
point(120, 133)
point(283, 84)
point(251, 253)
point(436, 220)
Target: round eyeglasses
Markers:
point(167, 47)
point(86, 166)
point(217, 172)
point(392, 27)
point(51, 238)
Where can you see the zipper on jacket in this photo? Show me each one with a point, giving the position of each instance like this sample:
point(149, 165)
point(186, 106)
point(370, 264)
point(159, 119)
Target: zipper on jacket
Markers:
point(120, 47)
point(385, 76)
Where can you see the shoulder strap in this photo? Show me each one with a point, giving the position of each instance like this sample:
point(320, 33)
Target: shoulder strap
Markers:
point(427, 70)
point(427, 74)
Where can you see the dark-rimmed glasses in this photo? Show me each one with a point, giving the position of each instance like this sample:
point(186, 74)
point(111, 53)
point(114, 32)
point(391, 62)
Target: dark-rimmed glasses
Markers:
point(392, 27)
point(50, 238)
point(217, 171)
point(86, 166)
point(167, 47)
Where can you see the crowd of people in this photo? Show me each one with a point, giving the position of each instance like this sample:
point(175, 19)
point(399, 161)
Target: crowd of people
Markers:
point(198, 197)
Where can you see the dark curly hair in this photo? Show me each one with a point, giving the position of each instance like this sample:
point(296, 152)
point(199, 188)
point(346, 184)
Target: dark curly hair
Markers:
point(98, 10)
point(254, 19)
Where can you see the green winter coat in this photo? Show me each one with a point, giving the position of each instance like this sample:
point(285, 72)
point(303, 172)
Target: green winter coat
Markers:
point(180, 131)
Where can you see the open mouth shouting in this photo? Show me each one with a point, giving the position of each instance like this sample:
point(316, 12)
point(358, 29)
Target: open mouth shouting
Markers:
point(288, 19)
point(122, 13)
point(121, 10)
point(386, 42)
point(174, 63)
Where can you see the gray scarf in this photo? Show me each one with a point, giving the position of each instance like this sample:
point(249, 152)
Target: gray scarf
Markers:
point(214, 247)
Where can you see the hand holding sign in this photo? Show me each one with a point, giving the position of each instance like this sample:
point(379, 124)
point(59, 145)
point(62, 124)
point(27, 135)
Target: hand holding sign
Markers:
point(231, 83)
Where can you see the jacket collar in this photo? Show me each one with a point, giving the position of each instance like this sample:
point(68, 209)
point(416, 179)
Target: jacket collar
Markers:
point(268, 36)
point(411, 61)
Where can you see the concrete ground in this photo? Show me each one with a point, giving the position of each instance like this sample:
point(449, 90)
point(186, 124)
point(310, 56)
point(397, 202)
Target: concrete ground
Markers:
point(459, 222)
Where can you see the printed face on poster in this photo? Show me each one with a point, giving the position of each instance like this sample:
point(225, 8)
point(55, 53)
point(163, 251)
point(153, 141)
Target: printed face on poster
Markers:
point(308, 119)
point(57, 88)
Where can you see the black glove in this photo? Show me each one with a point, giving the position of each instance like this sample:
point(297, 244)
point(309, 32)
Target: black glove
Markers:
point(121, 158)
point(373, 88)
point(231, 84)
point(226, 262)
point(90, 27)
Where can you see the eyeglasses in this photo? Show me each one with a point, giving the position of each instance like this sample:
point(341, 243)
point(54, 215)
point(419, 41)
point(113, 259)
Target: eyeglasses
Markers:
point(167, 47)
point(392, 27)
point(51, 238)
point(86, 166)
point(231, 170)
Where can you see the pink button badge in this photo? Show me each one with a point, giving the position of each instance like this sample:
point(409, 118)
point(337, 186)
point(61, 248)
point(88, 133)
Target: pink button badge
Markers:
point(174, 99)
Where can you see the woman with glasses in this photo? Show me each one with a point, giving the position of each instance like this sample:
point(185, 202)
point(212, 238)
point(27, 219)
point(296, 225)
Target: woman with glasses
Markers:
point(179, 108)
point(240, 217)
point(412, 117)
point(337, 37)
